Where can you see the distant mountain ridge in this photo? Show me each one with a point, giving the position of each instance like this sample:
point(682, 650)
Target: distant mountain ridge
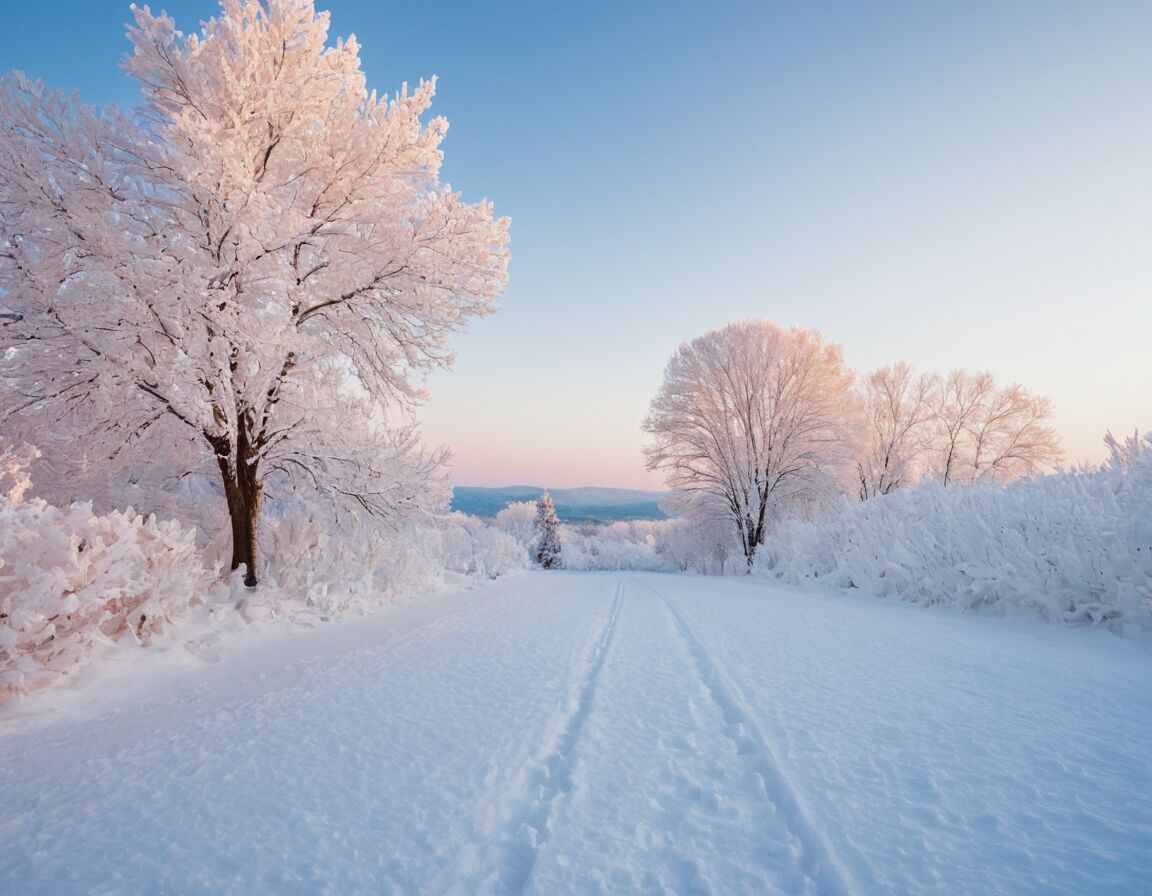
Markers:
point(573, 505)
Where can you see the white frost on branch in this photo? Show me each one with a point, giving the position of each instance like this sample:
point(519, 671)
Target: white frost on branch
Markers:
point(259, 274)
point(748, 417)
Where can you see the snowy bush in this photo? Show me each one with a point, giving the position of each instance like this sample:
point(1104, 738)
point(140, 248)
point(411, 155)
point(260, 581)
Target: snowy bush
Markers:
point(518, 519)
point(707, 546)
point(615, 546)
point(474, 547)
point(321, 566)
point(1073, 547)
point(70, 579)
point(677, 545)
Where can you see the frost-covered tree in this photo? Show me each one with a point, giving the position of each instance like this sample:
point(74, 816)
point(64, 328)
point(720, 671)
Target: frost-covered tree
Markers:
point(897, 412)
point(987, 431)
point(697, 537)
point(547, 533)
point(518, 519)
point(248, 277)
point(1123, 456)
point(747, 417)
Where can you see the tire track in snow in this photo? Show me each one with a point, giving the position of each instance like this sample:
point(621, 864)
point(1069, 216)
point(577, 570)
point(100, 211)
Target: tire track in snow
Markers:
point(816, 858)
point(248, 689)
point(504, 863)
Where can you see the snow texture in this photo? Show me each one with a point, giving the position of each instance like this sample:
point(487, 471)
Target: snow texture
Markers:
point(1071, 547)
point(71, 580)
point(76, 586)
point(599, 733)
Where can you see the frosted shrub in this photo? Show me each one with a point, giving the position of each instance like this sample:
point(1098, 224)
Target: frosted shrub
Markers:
point(474, 547)
point(582, 552)
point(321, 566)
point(497, 553)
point(1072, 547)
point(615, 546)
point(518, 519)
point(705, 546)
point(70, 579)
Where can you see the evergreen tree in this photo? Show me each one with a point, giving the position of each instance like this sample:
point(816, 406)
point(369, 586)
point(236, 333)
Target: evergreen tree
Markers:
point(547, 533)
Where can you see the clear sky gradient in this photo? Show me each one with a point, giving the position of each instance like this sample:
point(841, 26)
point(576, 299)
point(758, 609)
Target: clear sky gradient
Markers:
point(953, 184)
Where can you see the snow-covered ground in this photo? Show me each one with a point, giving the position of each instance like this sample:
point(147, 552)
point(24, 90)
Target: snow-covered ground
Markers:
point(599, 733)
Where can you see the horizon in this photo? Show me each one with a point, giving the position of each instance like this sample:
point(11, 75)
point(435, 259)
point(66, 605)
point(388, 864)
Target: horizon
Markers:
point(951, 187)
point(565, 488)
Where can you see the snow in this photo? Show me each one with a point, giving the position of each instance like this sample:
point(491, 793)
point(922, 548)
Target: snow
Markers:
point(598, 733)
point(77, 586)
point(1073, 547)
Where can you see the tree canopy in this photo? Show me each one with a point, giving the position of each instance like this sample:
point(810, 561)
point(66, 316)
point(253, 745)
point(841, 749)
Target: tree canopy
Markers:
point(258, 266)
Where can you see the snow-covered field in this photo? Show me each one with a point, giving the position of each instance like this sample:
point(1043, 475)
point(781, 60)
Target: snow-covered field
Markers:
point(599, 733)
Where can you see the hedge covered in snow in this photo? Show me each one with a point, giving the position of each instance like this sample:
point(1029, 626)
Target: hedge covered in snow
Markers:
point(1073, 547)
point(73, 581)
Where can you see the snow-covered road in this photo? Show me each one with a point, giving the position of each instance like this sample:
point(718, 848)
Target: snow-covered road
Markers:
point(631, 733)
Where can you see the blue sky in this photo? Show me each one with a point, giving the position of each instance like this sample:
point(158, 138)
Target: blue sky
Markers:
point(953, 184)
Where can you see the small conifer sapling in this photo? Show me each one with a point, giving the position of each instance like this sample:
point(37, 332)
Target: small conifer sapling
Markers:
point(547, 533)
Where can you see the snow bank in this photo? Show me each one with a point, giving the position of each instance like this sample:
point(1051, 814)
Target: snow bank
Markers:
point(74, 582)
point(71, 579)
point(1072, 547)
point(616, 546)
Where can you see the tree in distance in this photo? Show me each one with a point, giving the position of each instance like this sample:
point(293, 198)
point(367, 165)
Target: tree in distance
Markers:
point(987, 431)
point(747, 417)
point(547, 530)
point(897, 411)
point(958, 428)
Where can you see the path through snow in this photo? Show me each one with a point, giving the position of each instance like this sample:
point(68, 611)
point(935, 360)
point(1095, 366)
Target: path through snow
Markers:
point(631, 733)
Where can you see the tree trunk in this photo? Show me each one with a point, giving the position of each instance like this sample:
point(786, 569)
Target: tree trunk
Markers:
point(244, 493)
point(747, 541)
point(745, 546)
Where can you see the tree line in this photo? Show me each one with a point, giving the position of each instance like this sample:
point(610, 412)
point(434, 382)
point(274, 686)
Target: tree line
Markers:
point(754, 421)
point(245, 280)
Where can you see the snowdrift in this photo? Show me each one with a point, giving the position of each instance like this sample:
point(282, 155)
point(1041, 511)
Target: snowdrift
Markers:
point(71, 579)
point(1073, 547)
point(74, 582)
